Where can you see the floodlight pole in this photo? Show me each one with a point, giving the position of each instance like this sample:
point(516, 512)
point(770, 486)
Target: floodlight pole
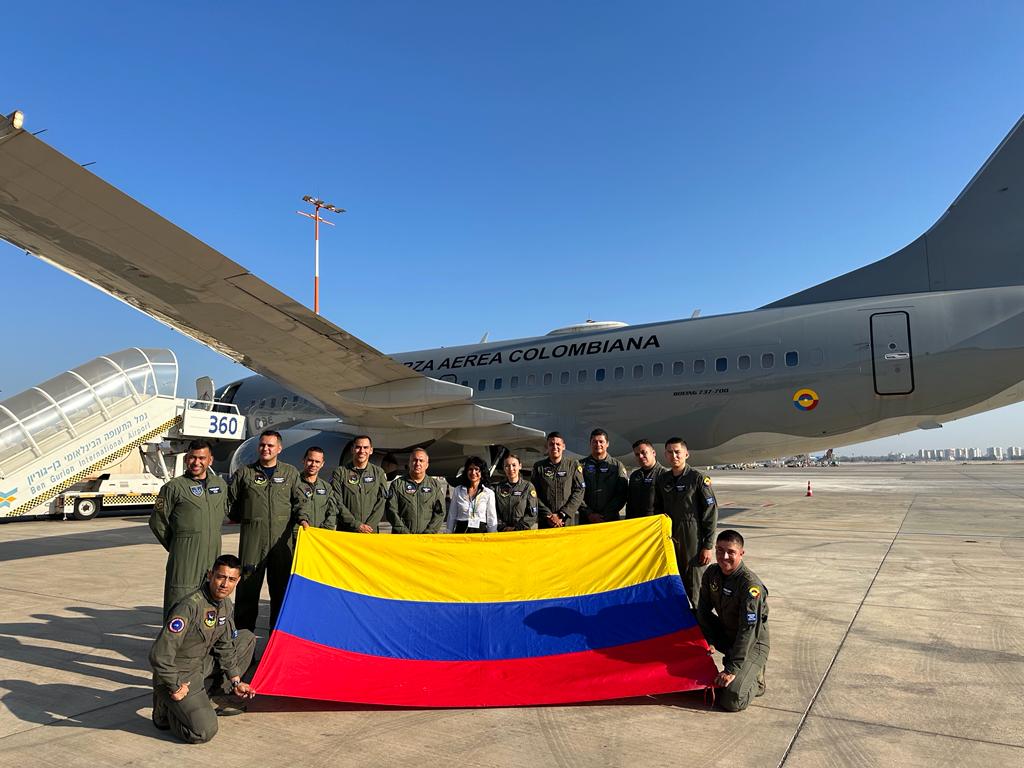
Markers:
point(317, 204)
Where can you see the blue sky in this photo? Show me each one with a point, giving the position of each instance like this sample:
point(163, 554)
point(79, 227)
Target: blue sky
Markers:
point(626, 161)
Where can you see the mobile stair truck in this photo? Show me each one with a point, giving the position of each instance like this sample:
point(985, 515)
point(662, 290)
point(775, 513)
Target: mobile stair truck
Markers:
point(63, 442)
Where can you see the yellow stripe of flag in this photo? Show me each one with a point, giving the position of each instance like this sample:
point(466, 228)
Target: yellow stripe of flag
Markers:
point(484, 568)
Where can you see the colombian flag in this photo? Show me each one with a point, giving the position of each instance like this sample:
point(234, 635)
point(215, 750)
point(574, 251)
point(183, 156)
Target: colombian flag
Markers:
point(486, 620)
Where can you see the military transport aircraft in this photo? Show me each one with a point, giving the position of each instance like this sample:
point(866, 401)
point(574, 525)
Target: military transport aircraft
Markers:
point(932, 333)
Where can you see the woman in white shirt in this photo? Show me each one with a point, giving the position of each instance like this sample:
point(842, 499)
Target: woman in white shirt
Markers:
point(472, 508)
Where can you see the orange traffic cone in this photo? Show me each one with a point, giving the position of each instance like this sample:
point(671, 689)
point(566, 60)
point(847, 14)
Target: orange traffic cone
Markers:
point(809, 491)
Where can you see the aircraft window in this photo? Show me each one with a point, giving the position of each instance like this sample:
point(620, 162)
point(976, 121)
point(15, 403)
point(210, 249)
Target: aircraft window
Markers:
point(263, 403)
point(497, 383)
point(698, 366)
point(531, 380)
point(273, 402)
point(768, 360)
point(638, 371)
point(513, 382)
point(619, 372)
point(677, 368)
point(295, 399)
point(547, 379)
point(599, 374)
point(252, 404)
point(792, 359)
point(481, 385)
point(465, 383)
point(721, 364)
point(743, 362)
point(581, 376)
point(564, 377)
point(657, 369)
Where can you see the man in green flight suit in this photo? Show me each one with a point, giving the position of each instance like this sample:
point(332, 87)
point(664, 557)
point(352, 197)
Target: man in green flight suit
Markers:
point(733, 615)
point(198, 653)
point(606, 483)
point(415, 501)
point(559, 484)
point(266, 497)
point(187, 519)
point(685, 495)
point(360, 490)
point(643, 483)
point(321, 508)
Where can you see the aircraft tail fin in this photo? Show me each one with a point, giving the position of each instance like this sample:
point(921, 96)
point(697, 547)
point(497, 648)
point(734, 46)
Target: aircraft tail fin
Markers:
point(977, 243)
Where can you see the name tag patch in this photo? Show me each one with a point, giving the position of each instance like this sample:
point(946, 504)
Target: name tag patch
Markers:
point(321, 491)
point(278, 480)
point(214, 489)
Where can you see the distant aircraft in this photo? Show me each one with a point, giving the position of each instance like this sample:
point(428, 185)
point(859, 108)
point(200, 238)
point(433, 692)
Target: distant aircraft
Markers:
point(932, 333)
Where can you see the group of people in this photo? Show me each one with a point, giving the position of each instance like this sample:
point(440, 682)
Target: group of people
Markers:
point(204, 643)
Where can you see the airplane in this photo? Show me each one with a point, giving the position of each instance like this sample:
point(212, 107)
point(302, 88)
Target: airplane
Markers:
point(933, 332)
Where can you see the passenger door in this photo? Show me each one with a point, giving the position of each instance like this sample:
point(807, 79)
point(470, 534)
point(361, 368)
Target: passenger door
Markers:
point(891, 355)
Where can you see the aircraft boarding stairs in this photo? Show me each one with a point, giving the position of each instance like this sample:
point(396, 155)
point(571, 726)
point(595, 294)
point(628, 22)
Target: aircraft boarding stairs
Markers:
point(66, 430)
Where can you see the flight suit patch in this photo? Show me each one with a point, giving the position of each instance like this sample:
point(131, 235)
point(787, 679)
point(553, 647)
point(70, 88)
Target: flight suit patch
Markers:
point(707, 480)
point(278, 480)
point(503, 492)
point(197, 490)
point(160, 504)
point(751, 618)
point(214, 489)
point(410, 488)
point(309, 494)
point(222, 620)
point(176, 625)
point(210, 619)
point(427, 489)
point(353, 479)
point(755, 591)
point(588, 467)
point(367, 478)
point(561, 473)
point(603, 469)
point(533, 493)
point(260, 479)
point(549, 472)
point(516, 493)
point(321, 492)
point(714, 586)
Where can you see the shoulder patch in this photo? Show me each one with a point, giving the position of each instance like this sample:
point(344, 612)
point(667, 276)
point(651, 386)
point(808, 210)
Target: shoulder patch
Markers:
point(707, 480)
point(533, 493)
point(579, 469)
point(754, 591)
point(176, 625)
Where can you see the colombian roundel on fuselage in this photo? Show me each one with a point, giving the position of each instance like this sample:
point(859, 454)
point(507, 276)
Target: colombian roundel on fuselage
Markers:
point(805, 399)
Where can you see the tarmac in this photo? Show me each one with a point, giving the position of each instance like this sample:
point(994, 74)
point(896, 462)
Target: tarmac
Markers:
point(897, 618)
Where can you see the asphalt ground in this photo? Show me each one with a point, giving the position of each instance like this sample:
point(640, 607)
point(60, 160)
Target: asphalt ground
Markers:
point(897, 618)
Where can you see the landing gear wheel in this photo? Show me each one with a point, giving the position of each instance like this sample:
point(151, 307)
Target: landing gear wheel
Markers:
point(86, 509)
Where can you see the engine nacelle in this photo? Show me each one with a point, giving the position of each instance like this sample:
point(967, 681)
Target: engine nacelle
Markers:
point(296, 442)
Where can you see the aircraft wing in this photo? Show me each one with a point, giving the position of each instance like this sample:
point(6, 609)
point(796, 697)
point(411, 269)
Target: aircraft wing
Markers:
point(55, 209)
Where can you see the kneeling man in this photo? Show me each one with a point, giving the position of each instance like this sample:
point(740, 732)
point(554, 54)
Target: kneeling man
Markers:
point(199, 653)
point(733, 615)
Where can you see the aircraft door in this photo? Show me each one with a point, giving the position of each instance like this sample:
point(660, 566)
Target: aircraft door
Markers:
point(891, 355)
